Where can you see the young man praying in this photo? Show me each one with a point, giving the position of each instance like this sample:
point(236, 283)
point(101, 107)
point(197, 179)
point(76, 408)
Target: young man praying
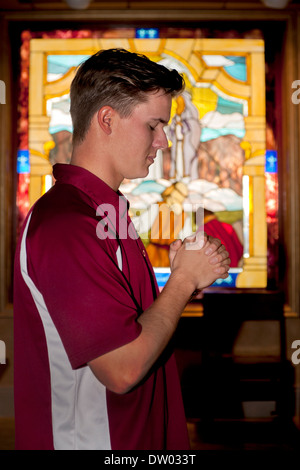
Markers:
point(93, 363)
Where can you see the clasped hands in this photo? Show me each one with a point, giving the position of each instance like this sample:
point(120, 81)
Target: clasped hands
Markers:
point(202, 258)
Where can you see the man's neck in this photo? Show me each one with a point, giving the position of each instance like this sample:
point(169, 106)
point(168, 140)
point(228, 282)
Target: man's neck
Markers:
point(85, 157)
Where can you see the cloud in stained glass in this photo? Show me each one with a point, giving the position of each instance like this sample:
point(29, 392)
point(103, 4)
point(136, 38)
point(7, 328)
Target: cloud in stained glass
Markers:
point(59, 111)
point(215, 124)
point(215, 60)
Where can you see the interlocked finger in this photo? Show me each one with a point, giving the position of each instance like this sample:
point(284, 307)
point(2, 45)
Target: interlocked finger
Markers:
point(221, 256)
point(213, 245)
point(214, 241)
point(221, 248)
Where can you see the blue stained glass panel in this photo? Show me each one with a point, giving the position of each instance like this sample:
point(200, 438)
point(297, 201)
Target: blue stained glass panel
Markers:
point(271, 161)
point(238, 70)
point(227, 107)
point(60, 64)
point(23, 162)
point(147, 33)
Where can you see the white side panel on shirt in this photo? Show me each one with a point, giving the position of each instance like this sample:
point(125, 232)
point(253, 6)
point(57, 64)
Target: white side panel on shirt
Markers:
point(79, 409)
point(119, 258)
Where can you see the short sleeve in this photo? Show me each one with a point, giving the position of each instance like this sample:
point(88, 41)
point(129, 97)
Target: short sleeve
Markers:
point(84, 290)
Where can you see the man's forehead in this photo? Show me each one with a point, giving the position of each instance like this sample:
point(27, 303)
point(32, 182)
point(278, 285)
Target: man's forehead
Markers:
point(159, 106)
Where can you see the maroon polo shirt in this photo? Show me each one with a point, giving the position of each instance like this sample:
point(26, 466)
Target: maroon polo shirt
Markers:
point(82, 278)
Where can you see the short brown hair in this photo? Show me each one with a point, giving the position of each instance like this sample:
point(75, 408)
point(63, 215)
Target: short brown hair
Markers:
point(116, 78)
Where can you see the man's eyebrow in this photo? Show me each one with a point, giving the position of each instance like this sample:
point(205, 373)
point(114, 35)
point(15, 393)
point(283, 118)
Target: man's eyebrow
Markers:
point(160, 120)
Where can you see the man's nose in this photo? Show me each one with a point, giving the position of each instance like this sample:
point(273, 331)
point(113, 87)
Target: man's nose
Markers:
point(161, 141)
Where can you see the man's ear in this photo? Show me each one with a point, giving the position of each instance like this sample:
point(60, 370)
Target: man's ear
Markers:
point(105, 118)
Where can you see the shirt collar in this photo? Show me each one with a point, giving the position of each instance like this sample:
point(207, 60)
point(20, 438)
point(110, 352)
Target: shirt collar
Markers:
point(91, 185)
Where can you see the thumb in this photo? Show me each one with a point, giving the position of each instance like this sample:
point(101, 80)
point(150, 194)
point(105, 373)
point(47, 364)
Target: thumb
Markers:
point(195, 241)
point(174, 247)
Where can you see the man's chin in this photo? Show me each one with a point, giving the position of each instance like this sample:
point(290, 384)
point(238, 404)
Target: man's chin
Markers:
point(140, 174)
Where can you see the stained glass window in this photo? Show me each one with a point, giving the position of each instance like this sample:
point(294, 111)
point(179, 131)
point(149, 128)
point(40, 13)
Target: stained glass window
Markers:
point(216, 156)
